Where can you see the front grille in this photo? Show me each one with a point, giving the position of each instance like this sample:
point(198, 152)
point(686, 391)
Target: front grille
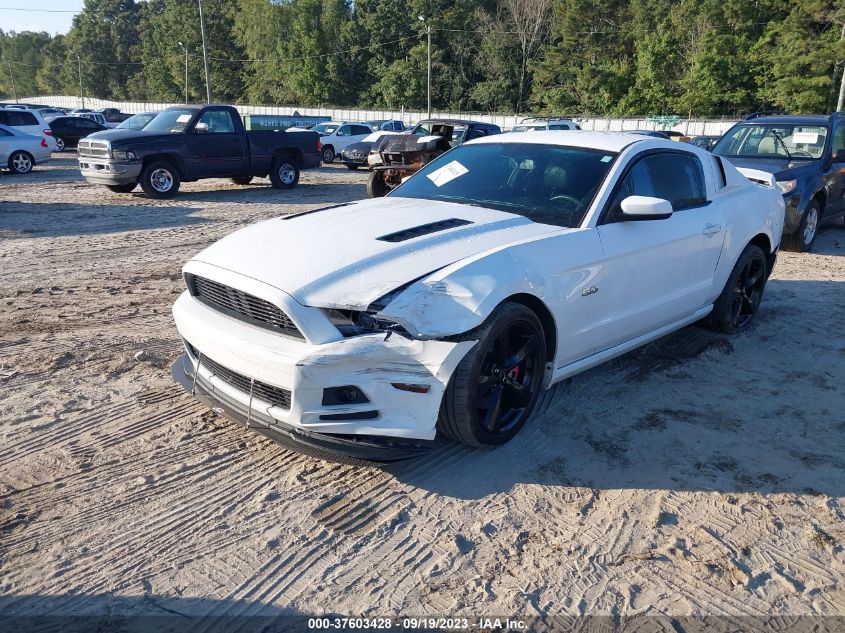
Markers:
point(359, 156)
point(93, 149)
point(276, 396)
point(243, 306)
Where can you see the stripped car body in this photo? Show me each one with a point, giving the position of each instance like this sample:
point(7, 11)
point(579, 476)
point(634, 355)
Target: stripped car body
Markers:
point(362, 341)
point(403, 155)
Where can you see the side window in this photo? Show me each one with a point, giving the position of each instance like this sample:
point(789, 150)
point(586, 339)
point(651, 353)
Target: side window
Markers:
point(476, 133)
point(218, 121)
point(676, 177)
point(4, 118)
point(344, 130)
point(838, 143)
point(88, 124)
point(360, 129)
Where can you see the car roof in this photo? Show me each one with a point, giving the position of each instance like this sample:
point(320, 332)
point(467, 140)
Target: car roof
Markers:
point(604, 141)
point(455, 122)
point(789, 119)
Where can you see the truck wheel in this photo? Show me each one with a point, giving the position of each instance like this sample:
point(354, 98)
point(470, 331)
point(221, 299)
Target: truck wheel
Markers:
point(284, 174)
point(160, 180)
point(60, 144)
point(127, 188)
point(242, 180)
point(328, 154)
point(376, 187)
point(804, 236)
point(21, 163)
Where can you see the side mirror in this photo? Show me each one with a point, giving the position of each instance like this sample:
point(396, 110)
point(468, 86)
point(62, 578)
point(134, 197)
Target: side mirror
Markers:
point(645, 208)
point(201, 127)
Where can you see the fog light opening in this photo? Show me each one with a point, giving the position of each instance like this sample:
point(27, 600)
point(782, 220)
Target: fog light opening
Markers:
point(403, 386)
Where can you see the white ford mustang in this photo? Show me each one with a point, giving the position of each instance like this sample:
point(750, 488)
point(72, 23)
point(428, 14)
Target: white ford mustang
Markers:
point(506, 265)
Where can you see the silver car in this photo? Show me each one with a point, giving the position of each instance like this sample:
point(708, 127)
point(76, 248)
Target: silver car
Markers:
point(22, 151)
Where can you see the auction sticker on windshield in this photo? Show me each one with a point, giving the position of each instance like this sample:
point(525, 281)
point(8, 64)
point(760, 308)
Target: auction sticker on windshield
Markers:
point(447, 173)
point(183, 118)
point(805, 137)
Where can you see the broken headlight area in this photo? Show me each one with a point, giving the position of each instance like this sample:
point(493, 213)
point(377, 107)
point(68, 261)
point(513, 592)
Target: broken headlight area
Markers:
point(356, 323)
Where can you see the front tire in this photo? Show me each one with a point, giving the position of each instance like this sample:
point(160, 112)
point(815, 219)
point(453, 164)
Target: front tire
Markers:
point(496, 386)
point(127, 188)
point(160, 180)
point(284, 174)
point(805, 235)
point(376, 186)
point(21, 162)
point(735, 308)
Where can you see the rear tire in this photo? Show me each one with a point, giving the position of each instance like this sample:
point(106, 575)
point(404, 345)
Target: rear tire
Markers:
point(21, 162)
point(60, 144)
point(735, 308)
point(160, 180)
point(376, 187)
point(327, 154)
point(284, 174)
point(805, 235)
point(495, 387)
point(127, 188)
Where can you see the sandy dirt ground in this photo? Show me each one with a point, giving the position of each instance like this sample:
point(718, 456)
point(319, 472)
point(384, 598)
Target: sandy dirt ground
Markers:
point(702, 474)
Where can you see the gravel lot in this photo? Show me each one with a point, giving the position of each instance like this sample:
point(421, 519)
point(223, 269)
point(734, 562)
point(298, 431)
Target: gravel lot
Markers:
point(700, 475)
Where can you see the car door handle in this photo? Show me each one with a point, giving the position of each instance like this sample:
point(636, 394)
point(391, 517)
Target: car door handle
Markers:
point(711, 229)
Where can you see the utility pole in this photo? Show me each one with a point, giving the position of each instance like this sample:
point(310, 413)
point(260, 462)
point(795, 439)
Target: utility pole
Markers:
point(428, 30)
point(422, 19)
point(205, 57)
point(81, 93)
point(841, 100)
point(186, 71)
point(11, 78)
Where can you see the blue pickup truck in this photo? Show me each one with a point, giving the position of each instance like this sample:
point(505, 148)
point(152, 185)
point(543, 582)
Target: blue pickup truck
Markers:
point(188, 143)
point(806, 155)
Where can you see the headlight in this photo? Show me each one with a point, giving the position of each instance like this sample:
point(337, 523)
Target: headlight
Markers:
point(786, 186)
point(356, 323)
point(120, 154)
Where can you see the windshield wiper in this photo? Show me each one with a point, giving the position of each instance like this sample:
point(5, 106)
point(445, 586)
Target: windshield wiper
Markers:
point(782, 144)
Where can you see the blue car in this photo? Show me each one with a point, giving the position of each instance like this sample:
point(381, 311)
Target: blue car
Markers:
point(806, 155)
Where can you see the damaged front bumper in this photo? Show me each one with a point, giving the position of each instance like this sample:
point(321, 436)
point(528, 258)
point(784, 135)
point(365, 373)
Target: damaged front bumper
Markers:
point(402, 379)
point(379, 450)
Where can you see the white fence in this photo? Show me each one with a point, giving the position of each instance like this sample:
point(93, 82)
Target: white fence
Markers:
point(690, 127)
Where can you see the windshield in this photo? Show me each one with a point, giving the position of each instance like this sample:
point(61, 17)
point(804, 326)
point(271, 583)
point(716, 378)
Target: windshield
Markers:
point(170, 121)
point(325, 128)
point(773, 140)
point(136, 122)
point(549, 184)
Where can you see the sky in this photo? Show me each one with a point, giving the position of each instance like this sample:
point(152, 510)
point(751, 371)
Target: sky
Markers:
point(53, 16)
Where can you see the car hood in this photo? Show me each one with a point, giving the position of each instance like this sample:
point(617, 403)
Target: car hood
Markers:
point(124, 134)
point(333, 258)
point(780, 168)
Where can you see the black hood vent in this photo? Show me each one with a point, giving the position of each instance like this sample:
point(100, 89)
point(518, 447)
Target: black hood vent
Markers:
point(423, 229)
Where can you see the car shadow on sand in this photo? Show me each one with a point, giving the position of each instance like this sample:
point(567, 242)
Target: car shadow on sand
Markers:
point(260, 192)
point(762, 411)
point(42, 219)
point(147, 612)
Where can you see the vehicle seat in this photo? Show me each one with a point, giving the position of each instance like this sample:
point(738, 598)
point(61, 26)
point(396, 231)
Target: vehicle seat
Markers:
point(767, 146)
point(556, 181)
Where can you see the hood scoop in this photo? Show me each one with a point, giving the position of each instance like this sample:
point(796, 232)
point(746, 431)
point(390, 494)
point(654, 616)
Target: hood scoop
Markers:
point(423, 229)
